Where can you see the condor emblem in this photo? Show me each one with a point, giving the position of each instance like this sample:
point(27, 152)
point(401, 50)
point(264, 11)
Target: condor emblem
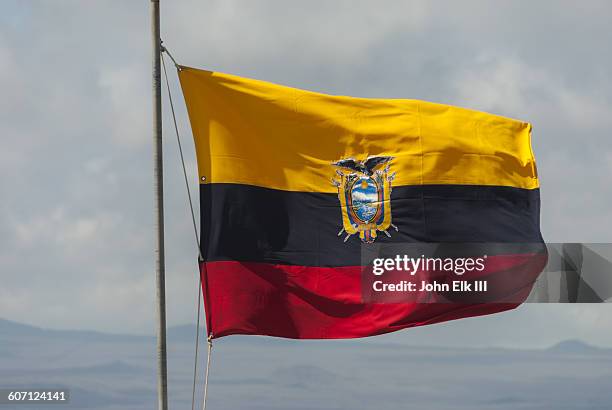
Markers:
point(365, 197)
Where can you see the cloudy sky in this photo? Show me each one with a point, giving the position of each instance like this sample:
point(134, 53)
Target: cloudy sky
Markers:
point(76, 225)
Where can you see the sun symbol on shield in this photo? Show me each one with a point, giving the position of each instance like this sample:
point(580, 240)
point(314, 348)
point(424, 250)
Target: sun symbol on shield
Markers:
point(365, 197)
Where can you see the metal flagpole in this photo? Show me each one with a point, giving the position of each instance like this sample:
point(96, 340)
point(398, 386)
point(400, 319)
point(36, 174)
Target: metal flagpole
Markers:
point(158, 186)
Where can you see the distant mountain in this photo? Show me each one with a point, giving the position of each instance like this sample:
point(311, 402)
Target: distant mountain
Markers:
point(186, 333)
point(115, 367)
point(576, 346)
point(104, 371)
point(9, 327)
point(14, 330)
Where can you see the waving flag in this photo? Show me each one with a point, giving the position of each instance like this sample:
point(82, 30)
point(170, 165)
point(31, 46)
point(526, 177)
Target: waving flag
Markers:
point(295, 185)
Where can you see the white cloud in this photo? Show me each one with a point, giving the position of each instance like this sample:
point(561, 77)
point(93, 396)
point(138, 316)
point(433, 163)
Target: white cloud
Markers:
point(127, 90)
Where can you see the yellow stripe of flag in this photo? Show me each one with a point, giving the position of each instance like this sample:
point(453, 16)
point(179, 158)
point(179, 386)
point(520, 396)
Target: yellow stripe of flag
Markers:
point(258, 133)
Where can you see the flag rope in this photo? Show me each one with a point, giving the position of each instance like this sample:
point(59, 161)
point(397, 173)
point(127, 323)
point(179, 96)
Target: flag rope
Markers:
point(180, 147)
point(195, 230)
point(197, 344)
point(165, 50)
point(208, 357)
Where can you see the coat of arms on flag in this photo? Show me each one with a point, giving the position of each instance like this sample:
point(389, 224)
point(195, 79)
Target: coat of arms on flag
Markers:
point(365, 197)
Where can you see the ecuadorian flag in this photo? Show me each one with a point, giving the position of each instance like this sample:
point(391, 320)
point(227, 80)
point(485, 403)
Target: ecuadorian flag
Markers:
point(294, 185)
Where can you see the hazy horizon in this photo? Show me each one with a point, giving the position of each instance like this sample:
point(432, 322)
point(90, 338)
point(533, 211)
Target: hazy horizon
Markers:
point(106, 372)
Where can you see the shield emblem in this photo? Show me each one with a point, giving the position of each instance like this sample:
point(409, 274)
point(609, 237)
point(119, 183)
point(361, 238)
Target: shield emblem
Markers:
point(364, 193)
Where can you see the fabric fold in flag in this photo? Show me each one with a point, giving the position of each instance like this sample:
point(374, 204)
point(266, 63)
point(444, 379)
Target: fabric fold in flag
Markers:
point(294, 185)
